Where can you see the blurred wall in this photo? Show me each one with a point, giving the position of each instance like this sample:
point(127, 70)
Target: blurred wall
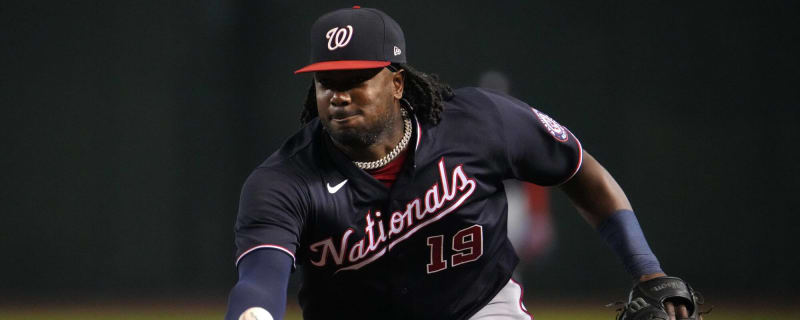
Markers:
point(128, 129)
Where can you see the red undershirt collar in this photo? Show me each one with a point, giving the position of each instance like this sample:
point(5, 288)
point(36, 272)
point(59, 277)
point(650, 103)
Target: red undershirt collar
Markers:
point(388, 173)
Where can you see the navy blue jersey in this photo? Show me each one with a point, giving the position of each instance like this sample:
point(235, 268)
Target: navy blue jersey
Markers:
point(434, 245)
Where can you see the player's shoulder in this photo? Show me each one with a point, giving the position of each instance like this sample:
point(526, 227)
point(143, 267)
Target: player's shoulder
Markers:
point(294, 159)
point(479, 104)
point(476, 93)
point(296, 149)
point(472, 99)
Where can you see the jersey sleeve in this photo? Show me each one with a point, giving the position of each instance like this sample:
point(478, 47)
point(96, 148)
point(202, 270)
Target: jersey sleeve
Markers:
point(272, 210)
point(538, 149)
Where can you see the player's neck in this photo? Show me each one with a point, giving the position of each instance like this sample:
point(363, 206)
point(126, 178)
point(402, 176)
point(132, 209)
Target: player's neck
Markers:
point(386, 141)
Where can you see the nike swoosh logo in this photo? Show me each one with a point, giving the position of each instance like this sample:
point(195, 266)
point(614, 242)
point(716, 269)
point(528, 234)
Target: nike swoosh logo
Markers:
point(335, 188)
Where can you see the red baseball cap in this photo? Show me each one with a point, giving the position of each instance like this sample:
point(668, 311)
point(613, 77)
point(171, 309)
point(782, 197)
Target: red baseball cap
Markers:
point(355, 38)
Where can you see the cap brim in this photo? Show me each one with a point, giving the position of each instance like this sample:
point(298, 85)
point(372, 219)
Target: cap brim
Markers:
point(343, 65)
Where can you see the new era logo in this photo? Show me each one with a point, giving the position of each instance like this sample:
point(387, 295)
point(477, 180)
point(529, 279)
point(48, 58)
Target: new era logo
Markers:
point(397, 51)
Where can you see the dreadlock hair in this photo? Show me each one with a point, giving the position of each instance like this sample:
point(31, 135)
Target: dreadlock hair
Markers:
point(424, 92)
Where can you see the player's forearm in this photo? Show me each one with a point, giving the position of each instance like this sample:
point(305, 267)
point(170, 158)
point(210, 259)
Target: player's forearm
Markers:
point(246, 295)
point(623, 234)
point(594, 192)
point(604, 205)
point(263, 278)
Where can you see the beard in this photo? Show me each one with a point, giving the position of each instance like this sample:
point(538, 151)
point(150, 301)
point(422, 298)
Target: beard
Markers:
point(364, 137)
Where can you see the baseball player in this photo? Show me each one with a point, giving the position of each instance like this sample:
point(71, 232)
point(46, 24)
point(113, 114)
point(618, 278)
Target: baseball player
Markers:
point(391, 193)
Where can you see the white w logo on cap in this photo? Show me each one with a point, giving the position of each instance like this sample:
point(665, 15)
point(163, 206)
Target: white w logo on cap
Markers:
point(338, 38)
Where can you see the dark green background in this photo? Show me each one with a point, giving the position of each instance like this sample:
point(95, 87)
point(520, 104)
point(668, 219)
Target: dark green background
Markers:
point(128, 129)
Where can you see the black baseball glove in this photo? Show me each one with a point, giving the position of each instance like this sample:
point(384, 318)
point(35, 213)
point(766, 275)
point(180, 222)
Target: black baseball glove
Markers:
point(646, 300)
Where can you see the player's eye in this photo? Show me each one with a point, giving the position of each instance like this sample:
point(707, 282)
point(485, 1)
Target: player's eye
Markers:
point(329, 84)
point(339, 85)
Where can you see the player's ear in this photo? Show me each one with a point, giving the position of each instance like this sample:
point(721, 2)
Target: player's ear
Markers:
point(398, 82)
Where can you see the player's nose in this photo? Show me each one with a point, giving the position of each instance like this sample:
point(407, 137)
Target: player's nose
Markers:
point(340, 98)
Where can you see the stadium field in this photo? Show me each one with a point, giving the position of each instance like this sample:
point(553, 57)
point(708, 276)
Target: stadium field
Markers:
point(203, 312)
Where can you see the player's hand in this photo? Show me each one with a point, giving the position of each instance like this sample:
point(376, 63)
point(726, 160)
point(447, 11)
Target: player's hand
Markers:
point(675, 309)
